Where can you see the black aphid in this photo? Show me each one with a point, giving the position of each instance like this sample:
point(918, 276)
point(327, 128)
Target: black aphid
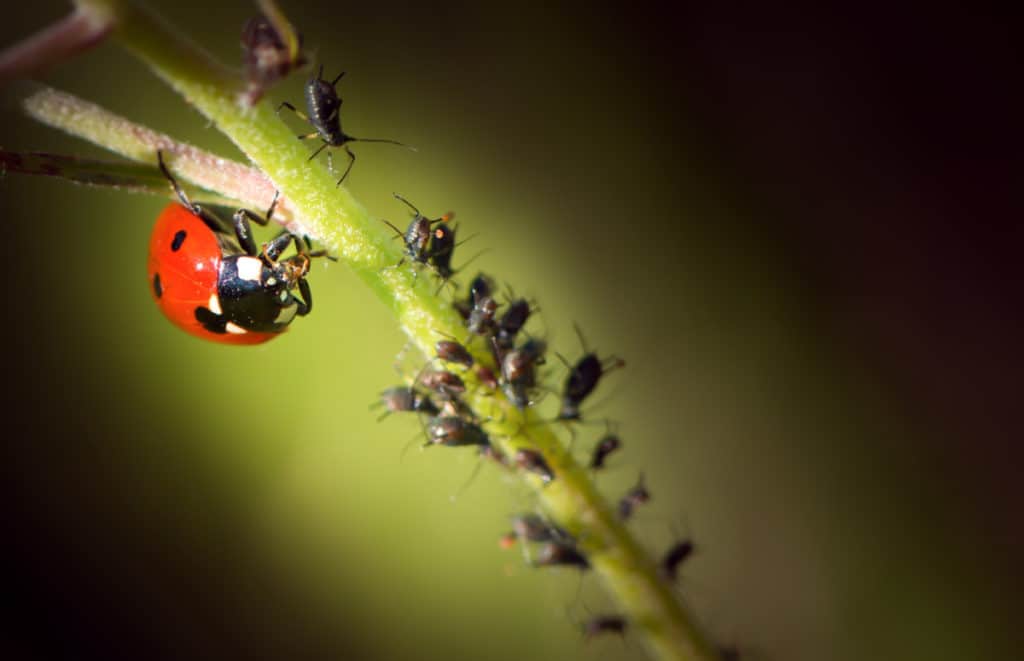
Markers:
point(453, 431)
point(604, 624)
point(636, 496)
point(533, 461)
point(674, 558)
point(323, 112)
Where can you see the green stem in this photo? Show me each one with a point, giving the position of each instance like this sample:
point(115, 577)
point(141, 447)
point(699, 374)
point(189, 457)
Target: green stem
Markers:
point(86, 120)
point(330, 214)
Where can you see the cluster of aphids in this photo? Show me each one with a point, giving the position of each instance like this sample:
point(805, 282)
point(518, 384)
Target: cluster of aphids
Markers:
point(513, 357)
point(513, 361)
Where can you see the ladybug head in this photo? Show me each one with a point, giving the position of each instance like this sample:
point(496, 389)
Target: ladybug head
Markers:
point(289, 271)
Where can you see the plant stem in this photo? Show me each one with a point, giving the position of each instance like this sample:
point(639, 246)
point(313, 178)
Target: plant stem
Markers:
point(230, 179)
point(329, 213)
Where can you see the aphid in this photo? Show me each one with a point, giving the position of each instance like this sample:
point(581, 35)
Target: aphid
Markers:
point(444, 383)
point(604, 624)
point(451, 351)
point(404, 398)
point(441, 249)
point(486, 376)
point(518, 371)
point(419, 235)
point(533, 461)
point(266, 55)
point(636, 496)
point(517, 366)
point(532, 528)
point(674, 558)
point(511, 322)
point(551, 554)
point(454, 431)
point(479, 289)
point(481, 317)
point(323, 113)
point(607, 445)
point(583, 378)
point(220, 286)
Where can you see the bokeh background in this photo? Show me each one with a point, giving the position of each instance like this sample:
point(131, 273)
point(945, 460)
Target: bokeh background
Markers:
point(801, 228)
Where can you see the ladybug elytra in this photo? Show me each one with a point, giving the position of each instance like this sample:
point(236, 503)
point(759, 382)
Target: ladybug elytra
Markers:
point(219, 285)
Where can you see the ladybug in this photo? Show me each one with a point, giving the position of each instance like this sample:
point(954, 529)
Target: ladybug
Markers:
point(218, 285)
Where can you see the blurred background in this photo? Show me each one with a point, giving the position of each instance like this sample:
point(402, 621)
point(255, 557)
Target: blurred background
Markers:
point(800, 228)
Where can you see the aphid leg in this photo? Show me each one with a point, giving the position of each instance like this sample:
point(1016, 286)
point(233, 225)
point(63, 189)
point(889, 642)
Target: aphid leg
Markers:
point(301, 115)
point(351, 162)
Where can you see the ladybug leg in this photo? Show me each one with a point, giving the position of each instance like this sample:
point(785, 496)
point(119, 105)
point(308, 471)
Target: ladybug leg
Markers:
point(174, 183)
point(277, 245)
point(244, 231)
point(304, 301)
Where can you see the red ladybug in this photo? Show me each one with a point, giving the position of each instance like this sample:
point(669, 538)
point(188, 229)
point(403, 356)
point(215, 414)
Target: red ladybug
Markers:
point(219, 286)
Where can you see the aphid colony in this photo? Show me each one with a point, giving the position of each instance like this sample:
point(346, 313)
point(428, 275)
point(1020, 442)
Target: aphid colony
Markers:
point(512, 358)
point(210, 279)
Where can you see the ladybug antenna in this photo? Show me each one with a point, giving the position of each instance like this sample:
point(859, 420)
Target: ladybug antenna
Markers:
point(335, 81)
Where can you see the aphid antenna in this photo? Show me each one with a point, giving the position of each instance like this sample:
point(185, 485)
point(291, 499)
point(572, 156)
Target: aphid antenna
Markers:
point(410, 205)
point(349, 138)
point(472, 477)
point(411, 441)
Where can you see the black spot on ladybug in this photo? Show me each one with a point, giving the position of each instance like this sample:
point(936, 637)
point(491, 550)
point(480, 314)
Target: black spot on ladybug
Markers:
point(158, 288)
point(179, 238)
point(210, 321)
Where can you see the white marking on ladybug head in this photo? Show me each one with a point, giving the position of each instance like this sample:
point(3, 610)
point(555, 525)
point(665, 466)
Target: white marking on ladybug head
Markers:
point(249, 268)
point(271, 281)
point(236, 330)
point(214, 304)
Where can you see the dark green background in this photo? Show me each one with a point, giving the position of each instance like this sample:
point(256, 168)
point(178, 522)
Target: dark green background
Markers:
point(795, 226)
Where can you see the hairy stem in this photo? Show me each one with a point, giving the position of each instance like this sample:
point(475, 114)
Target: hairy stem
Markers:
point(229, 179)
point(330, 214)
point(80, 30)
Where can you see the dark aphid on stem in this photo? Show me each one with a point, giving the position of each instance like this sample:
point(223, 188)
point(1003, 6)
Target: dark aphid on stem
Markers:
point(518, 365)
point(532, 527)
point(486, 376)
point(560, 553)
point(441, 248)
point(638, 495)
point(446, 384)
point(519, 371)
point(266, 55)
point(604, 624)
point(451, 351)
point(674, 558)
point(534, 462)
point(418, 236)
point(605, 446)
point(583, 378)
point(481, 317)
point(323, 112)
point(454, 431)
point(535, 528)
point(511, 322)
point(479, 289)
point(404, 398)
